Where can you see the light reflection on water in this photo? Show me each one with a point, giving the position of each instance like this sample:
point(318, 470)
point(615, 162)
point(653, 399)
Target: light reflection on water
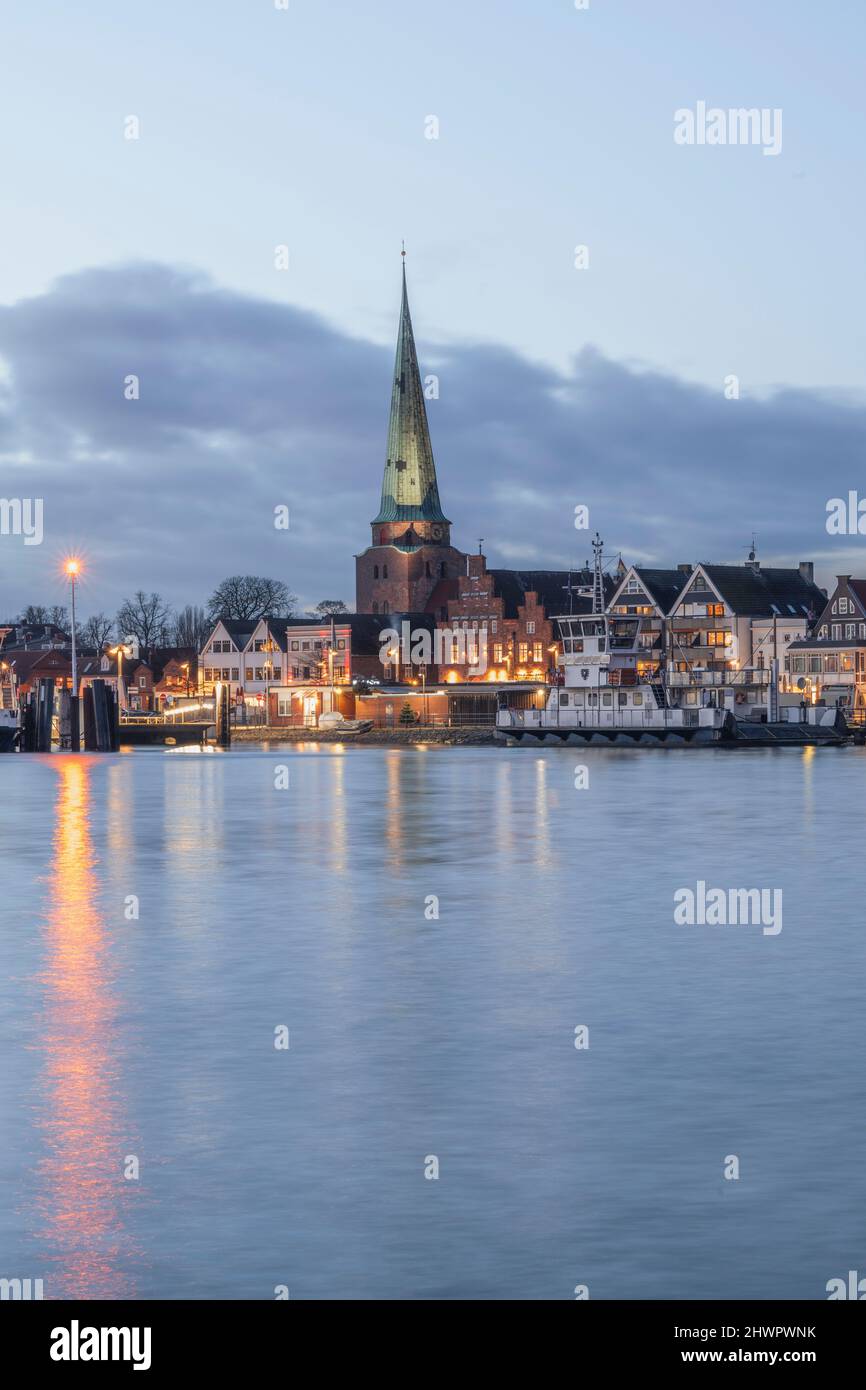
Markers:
point(80, 1110)
point(305, 907)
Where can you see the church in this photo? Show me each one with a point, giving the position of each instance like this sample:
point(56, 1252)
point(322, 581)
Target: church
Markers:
point(412, 567)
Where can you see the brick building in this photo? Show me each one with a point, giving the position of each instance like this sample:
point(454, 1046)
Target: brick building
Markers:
point(508, 614)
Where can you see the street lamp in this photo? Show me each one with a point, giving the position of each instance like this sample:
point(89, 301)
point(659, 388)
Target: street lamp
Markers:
point(73, 569)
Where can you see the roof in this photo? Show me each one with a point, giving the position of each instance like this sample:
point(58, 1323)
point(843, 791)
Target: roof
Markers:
point(23, 663)
point(663, 586)
point(240, 630)
point(557, 589)
point(768, 593)
point(812, 644)
point(409, 488)
point(365, 628)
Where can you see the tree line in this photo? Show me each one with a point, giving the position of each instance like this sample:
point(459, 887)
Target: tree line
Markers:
point(152, 620)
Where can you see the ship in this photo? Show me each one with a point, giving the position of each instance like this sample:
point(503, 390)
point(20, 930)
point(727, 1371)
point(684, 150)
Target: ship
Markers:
point(606, 692)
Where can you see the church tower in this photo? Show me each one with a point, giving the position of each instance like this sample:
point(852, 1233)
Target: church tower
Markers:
point(411, 565)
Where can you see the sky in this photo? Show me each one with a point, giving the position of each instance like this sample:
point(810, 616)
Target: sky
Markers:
point(307, 127)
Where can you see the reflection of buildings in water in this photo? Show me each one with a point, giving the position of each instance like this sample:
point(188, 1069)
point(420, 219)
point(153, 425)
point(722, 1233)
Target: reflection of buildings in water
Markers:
point(81, 1187)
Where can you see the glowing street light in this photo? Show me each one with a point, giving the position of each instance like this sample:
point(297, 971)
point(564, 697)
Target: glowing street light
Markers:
point(73, 570)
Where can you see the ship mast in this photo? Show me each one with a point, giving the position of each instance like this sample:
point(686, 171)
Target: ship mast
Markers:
point(597, 579)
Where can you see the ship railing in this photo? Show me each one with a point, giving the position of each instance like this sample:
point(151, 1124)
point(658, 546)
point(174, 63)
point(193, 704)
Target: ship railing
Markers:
point(749, 675)
point(646, 717)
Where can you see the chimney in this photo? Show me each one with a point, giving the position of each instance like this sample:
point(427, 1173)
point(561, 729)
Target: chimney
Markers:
point(807, 571)
point(685, 569)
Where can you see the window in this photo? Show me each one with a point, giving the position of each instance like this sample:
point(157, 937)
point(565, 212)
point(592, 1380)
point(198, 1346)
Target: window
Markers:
point(621, 697)
point(538, 651)
point(284, 703)
point(442, 570)
point(497, 651)
point(427, 568)
point(305, 646)
point(831, 663)
point(850, 629)
point(235, 673)
point(836, 632)
point(823, 632)
point(607, 698)
point(259, 675)
point(375, 607)
point(815, 665)
point(632, 587)
point(385, 574)
point(385, 606)
point(530, 628)
point(375, 571)
point(493, 624)
point(278, 673)
point(208, 673)
point(258, 645)
point(249, 673)
point(142, 682)
point(715, 610)
point(296, 646)
point(638, 697)
point(523, 651)
point(843, 605)
point(563, 698)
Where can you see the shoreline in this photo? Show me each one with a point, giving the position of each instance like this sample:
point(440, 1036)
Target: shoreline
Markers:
point(470, 734)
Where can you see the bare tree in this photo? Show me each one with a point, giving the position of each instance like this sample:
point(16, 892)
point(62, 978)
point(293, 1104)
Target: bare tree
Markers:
point(250, 597)
point(191, 627)
point(35, 615)
point(95, 631)
point(329, 607)
point(147, 617)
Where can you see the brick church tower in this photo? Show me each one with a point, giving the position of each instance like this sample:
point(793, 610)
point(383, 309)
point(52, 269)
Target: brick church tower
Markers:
point(411, 565)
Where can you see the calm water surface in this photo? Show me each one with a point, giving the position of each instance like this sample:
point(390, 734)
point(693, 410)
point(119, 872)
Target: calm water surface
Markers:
point(153, 1038)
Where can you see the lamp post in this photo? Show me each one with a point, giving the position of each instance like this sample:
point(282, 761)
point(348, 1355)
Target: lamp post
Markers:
point(73, 569)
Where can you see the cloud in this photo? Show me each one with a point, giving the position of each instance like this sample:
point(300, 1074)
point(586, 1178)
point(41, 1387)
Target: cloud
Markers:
point(246, 404)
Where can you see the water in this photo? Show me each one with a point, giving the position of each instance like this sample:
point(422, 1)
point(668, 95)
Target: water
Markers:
point(153, 1039)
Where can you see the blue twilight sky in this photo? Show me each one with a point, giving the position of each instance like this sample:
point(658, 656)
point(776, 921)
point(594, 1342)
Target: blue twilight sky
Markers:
point(306, 127)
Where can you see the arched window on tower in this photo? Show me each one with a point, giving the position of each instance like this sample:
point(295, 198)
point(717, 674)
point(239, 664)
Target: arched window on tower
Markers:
point(375, 571)
point(384, 571)
point(427, 568)
point(442, 570)
point(385, 607)
point(375, 607)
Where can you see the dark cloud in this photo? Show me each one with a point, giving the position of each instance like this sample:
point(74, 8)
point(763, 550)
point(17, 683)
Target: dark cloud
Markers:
point(246, 404)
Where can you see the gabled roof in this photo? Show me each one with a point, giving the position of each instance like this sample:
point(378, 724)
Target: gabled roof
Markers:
point(238, 629)
point(663, 586)
point(25, 664)
point(765, 593)
point(558, 590)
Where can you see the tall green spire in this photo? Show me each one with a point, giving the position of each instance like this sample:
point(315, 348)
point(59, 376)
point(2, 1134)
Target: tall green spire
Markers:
point(409, 488)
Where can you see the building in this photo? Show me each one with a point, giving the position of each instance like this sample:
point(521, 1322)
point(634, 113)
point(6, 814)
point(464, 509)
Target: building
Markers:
point(829, 666)
point(730, 622)
point(411, 564)
point(650, 594)
point(501, 621)
point(222, 655)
